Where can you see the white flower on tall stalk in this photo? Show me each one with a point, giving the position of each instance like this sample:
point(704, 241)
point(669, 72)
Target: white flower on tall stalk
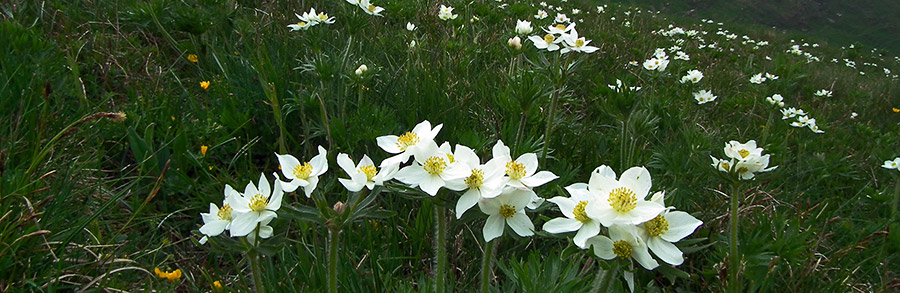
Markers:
point(667, 228)
point(559, 29)
point(540, 14)
point(573, 43)
point(656, 64)
point(321, 17)
point(823, 93)
point(815, 128)
point(776, 99)
point(788, 113)
point(746, 160)
point(254, 206)
point(446, 13)
point(562, 18)
point(364, 174)
point(520, 173)
point(624, 242)
point(704, 96)
point(621, 202)
point(892, 164)
point(757, 78)
point(218, 220)
point(406, 144)
point(548, 42)
point(483, 181)
point(576, 217)
point(303, 24)
point(741, 151)
point(433, 169)
point(523, 27)
point(508, 208)
point(693, 76)
point(304, 174)
point(370, 8)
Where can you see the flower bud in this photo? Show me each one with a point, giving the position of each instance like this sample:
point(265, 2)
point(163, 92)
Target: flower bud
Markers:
point(515, 43)
point(361, 70)
point(339, 207)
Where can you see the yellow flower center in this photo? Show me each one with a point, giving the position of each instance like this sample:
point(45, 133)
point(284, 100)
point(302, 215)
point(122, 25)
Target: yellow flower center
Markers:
point(726, 166)
point(258, 203)
point(507, 210)
point(580, 214)
point(371, 8)
point(579, 43)
point(548, 38)
point(451, 158)
point(369, 170)
point(406, 140)
point(301, 23)
point(476, 179)
point(744, 153)
point(657, 226)
point(303, 171)
point(515, 170)
point(622, 249)
point(622, 200)
point(560, 27)
point(742, 170)
point(435, 165)
point(322, 16)
point(225, 213)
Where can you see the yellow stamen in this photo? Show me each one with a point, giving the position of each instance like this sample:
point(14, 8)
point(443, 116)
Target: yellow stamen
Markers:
point(369, 170)
point(580, 214)
point(579, 43)
point(507, 210)
point(406, 140)
point(303, 171)
point(622, 249)
point(476, 179)
point(435, 165)
point(515, 170)
point(657, 226)
point(548, 38)
point(258, 203)
point(225, 213)
point(622, 200)
point(744, 153)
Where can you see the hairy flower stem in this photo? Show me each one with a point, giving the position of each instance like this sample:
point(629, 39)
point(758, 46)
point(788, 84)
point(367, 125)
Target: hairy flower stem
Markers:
point(896, 204)
point(253, 255)
point(440, 248)
point(550, 116)
point(486, 266)
point(519, 132)
point(333, 243)
point(604, 279)
point(734, 263)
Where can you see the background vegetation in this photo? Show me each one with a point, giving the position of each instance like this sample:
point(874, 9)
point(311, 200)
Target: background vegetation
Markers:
point(90, 203)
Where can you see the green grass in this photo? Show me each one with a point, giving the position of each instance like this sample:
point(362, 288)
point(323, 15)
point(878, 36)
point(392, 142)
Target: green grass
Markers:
point(108, 201)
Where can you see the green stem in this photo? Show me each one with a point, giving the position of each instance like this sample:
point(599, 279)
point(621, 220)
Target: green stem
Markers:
point(519, 132)
point(440, 247)
point(359, 98)
point(325, 121)
point(486, 266)
point(333, 242)
point(734, 263)
point(896, 203)
point(550, 117)
point(254, 264)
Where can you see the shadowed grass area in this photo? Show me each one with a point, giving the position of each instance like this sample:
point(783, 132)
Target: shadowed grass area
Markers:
point(92, 202)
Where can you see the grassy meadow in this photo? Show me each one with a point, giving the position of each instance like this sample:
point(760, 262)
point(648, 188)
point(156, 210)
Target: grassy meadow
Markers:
point(123, 120)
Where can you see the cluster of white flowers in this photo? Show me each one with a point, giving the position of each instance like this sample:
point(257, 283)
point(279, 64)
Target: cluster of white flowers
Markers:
point(310, 19)
point(563, 35)
point(659, 61)
point(367, 7)
point(795, 49)
point(633, 222)
point(744, 160)
point(776, 100)
point(761, 77)
point(241, 213)
point(704, 96)
point(823, 93)
point(446, 13)
point(620, 87)
point(803, 119)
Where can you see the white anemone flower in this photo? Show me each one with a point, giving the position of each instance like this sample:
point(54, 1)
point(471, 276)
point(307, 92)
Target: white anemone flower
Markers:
point(523, 27)
point(218, 219)
point(520, 173)
point(742, 151)
point(747, 169)
point(304, 174)
point(704, 96)
point(576, 217)
point(625, 242)
point(559, 29)
point(667, 228)
point(364, 174)
point(254, 206)
point(562, 18)
point(302, 24)
point(406, 144)
point(446, 13)
point(482, 181)
point(508, 208)
point(370, 8)
point(548, 42)
point(540, 14)
point(433, 169)
point(693, 76)
point(891, 164)
point(757, 78)
point(573, 43)
point(410, 26)
point(621, 202)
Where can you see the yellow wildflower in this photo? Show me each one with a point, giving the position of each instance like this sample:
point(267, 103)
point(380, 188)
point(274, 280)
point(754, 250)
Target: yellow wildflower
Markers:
point(193, 58)
point(204, 85)
point(203, 150)
point(171, 276)
point(896, 110)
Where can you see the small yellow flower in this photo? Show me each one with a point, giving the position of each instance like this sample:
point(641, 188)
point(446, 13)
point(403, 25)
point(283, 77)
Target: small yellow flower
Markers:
point(193, 58)
point(203, 150)
point(896, 110)
point(171, 276)
point(217, 286)
point(173, 118)
point(210, 168)
point(204, 85)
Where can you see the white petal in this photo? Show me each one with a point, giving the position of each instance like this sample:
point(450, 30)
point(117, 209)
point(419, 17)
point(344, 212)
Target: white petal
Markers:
point(275, 199)
point(214, 228)
point(561, 225)
point(412, 175)
point(490, 206)
point(521, 224)
point(266, 216)
point(308, 189)
point(466, 156)
point(388, 143)
point(638, 179)
point(500, 150)
point(588, 230)
point(493, 227)
point(681, 225)
point(645, 211)
point(539, 179)
point(319, 162)
point(264, 188)
point(431, 184)
point(642, 256)
point(602, 247)
point(566, 205)
point(350, 185)
point(346, 164)
point(265, 231)
point(530, 161)
point(243, 224)
point(519, 198)
point(288, 163)
point(467, 201)
point(666, 251)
